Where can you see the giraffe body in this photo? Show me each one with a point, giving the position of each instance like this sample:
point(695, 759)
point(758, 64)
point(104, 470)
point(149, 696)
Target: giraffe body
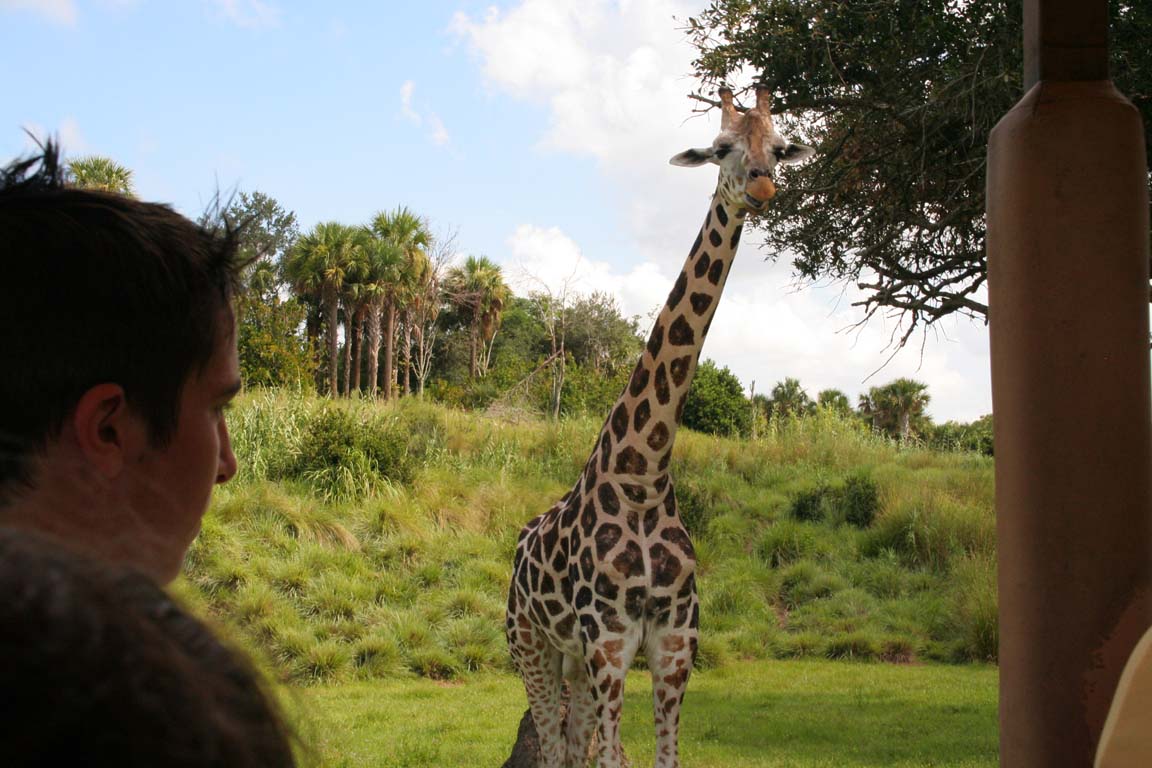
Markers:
point(610, 568)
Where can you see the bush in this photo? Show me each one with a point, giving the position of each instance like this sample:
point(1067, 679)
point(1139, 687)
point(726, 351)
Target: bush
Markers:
point(859, 500)
point(695, 506)
point(716, 402)
point(343, 457)
point(810, 506)
point(855, 501)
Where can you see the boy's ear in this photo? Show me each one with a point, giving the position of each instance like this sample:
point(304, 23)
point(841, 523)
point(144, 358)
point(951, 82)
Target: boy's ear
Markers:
point(103, 427)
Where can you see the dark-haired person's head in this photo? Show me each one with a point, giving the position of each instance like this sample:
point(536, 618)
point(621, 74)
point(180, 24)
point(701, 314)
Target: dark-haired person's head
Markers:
point(118, 356)
point(101, 668)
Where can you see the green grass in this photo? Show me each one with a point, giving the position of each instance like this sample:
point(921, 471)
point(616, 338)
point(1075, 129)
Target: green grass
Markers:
point(799, 714)
point(366, 540)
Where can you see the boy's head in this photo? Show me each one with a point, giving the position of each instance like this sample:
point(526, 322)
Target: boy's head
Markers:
point(118, 357)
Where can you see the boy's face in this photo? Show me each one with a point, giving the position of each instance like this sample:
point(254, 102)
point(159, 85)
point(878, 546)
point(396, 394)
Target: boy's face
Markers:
point(173, 484)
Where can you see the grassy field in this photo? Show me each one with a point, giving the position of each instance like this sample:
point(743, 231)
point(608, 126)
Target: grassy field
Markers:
point(364, 541)
point(783, 714)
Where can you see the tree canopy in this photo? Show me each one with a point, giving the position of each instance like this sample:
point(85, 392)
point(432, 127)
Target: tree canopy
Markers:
point(101, 173)
point(898, 97)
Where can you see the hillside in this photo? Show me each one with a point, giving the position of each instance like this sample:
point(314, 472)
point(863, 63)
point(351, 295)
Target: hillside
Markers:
point(369, 541)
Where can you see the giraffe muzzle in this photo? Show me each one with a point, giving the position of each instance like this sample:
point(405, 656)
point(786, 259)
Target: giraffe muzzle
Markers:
point(761, 189)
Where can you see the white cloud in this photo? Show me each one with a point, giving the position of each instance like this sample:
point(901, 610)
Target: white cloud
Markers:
point(410, 112)
point(56, 11)
point(614, 78)
point(250, 14)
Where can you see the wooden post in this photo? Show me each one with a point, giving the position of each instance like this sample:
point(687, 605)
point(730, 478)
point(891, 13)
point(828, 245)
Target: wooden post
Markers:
point(1068, 307)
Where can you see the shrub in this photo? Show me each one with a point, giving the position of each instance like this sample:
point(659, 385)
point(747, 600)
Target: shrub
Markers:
point(810, 506)
point(695, 506)
point(716, 402)
point(859, 500)
point(855, 501)
point(343, 458)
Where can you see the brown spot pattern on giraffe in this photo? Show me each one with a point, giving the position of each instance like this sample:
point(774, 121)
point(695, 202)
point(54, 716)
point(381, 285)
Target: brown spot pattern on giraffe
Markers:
point(681, 333)
point(658, 437)
point(674, 297)
point(630, 462)
point(679, 369)
point(642, 414)
point(702, 265)
point(660, 385)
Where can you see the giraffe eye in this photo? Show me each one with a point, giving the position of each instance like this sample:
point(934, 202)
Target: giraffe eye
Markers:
point(722, 151)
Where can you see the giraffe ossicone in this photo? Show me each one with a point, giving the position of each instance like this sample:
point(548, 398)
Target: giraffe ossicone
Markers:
point(610, 569)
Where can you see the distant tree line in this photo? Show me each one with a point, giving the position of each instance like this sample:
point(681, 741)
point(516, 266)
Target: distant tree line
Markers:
point(896, 410)
point(379, 310)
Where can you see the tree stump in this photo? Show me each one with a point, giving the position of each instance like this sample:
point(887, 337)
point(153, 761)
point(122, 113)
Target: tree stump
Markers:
point(526, 750)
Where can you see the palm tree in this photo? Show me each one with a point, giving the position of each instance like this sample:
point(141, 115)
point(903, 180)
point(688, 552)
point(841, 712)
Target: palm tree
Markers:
point(319, 264)
point(834, 400)
point(382, 262)
point(412, 292)
point(789, 398)
point(478, 290)
point(409, 236)
point(895, 406)
point(907, 399)
point(101, 173)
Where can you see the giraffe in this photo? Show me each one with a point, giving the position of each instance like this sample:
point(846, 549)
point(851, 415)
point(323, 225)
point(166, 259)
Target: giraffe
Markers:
point(610, 568)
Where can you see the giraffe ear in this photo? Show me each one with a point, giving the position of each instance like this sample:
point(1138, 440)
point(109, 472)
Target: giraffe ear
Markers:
point(690, 158)
point(796, 153)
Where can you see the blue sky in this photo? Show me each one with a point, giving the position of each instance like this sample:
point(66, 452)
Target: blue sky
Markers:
point(536, 130)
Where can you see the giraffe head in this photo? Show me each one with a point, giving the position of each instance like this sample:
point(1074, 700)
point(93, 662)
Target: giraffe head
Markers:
point(748, 149)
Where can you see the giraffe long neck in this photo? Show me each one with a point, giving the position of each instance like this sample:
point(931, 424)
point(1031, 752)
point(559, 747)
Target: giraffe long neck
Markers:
point(644, 420)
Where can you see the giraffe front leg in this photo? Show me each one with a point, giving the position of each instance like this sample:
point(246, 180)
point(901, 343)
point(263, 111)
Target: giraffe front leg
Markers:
point(671, 653)
point(580, 724)
point(607, 658)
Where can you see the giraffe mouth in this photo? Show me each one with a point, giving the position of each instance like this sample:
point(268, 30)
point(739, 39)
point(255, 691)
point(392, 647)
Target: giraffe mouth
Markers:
point(753, 203)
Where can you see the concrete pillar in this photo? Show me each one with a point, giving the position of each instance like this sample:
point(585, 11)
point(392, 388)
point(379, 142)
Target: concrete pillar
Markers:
point(1068, 311)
